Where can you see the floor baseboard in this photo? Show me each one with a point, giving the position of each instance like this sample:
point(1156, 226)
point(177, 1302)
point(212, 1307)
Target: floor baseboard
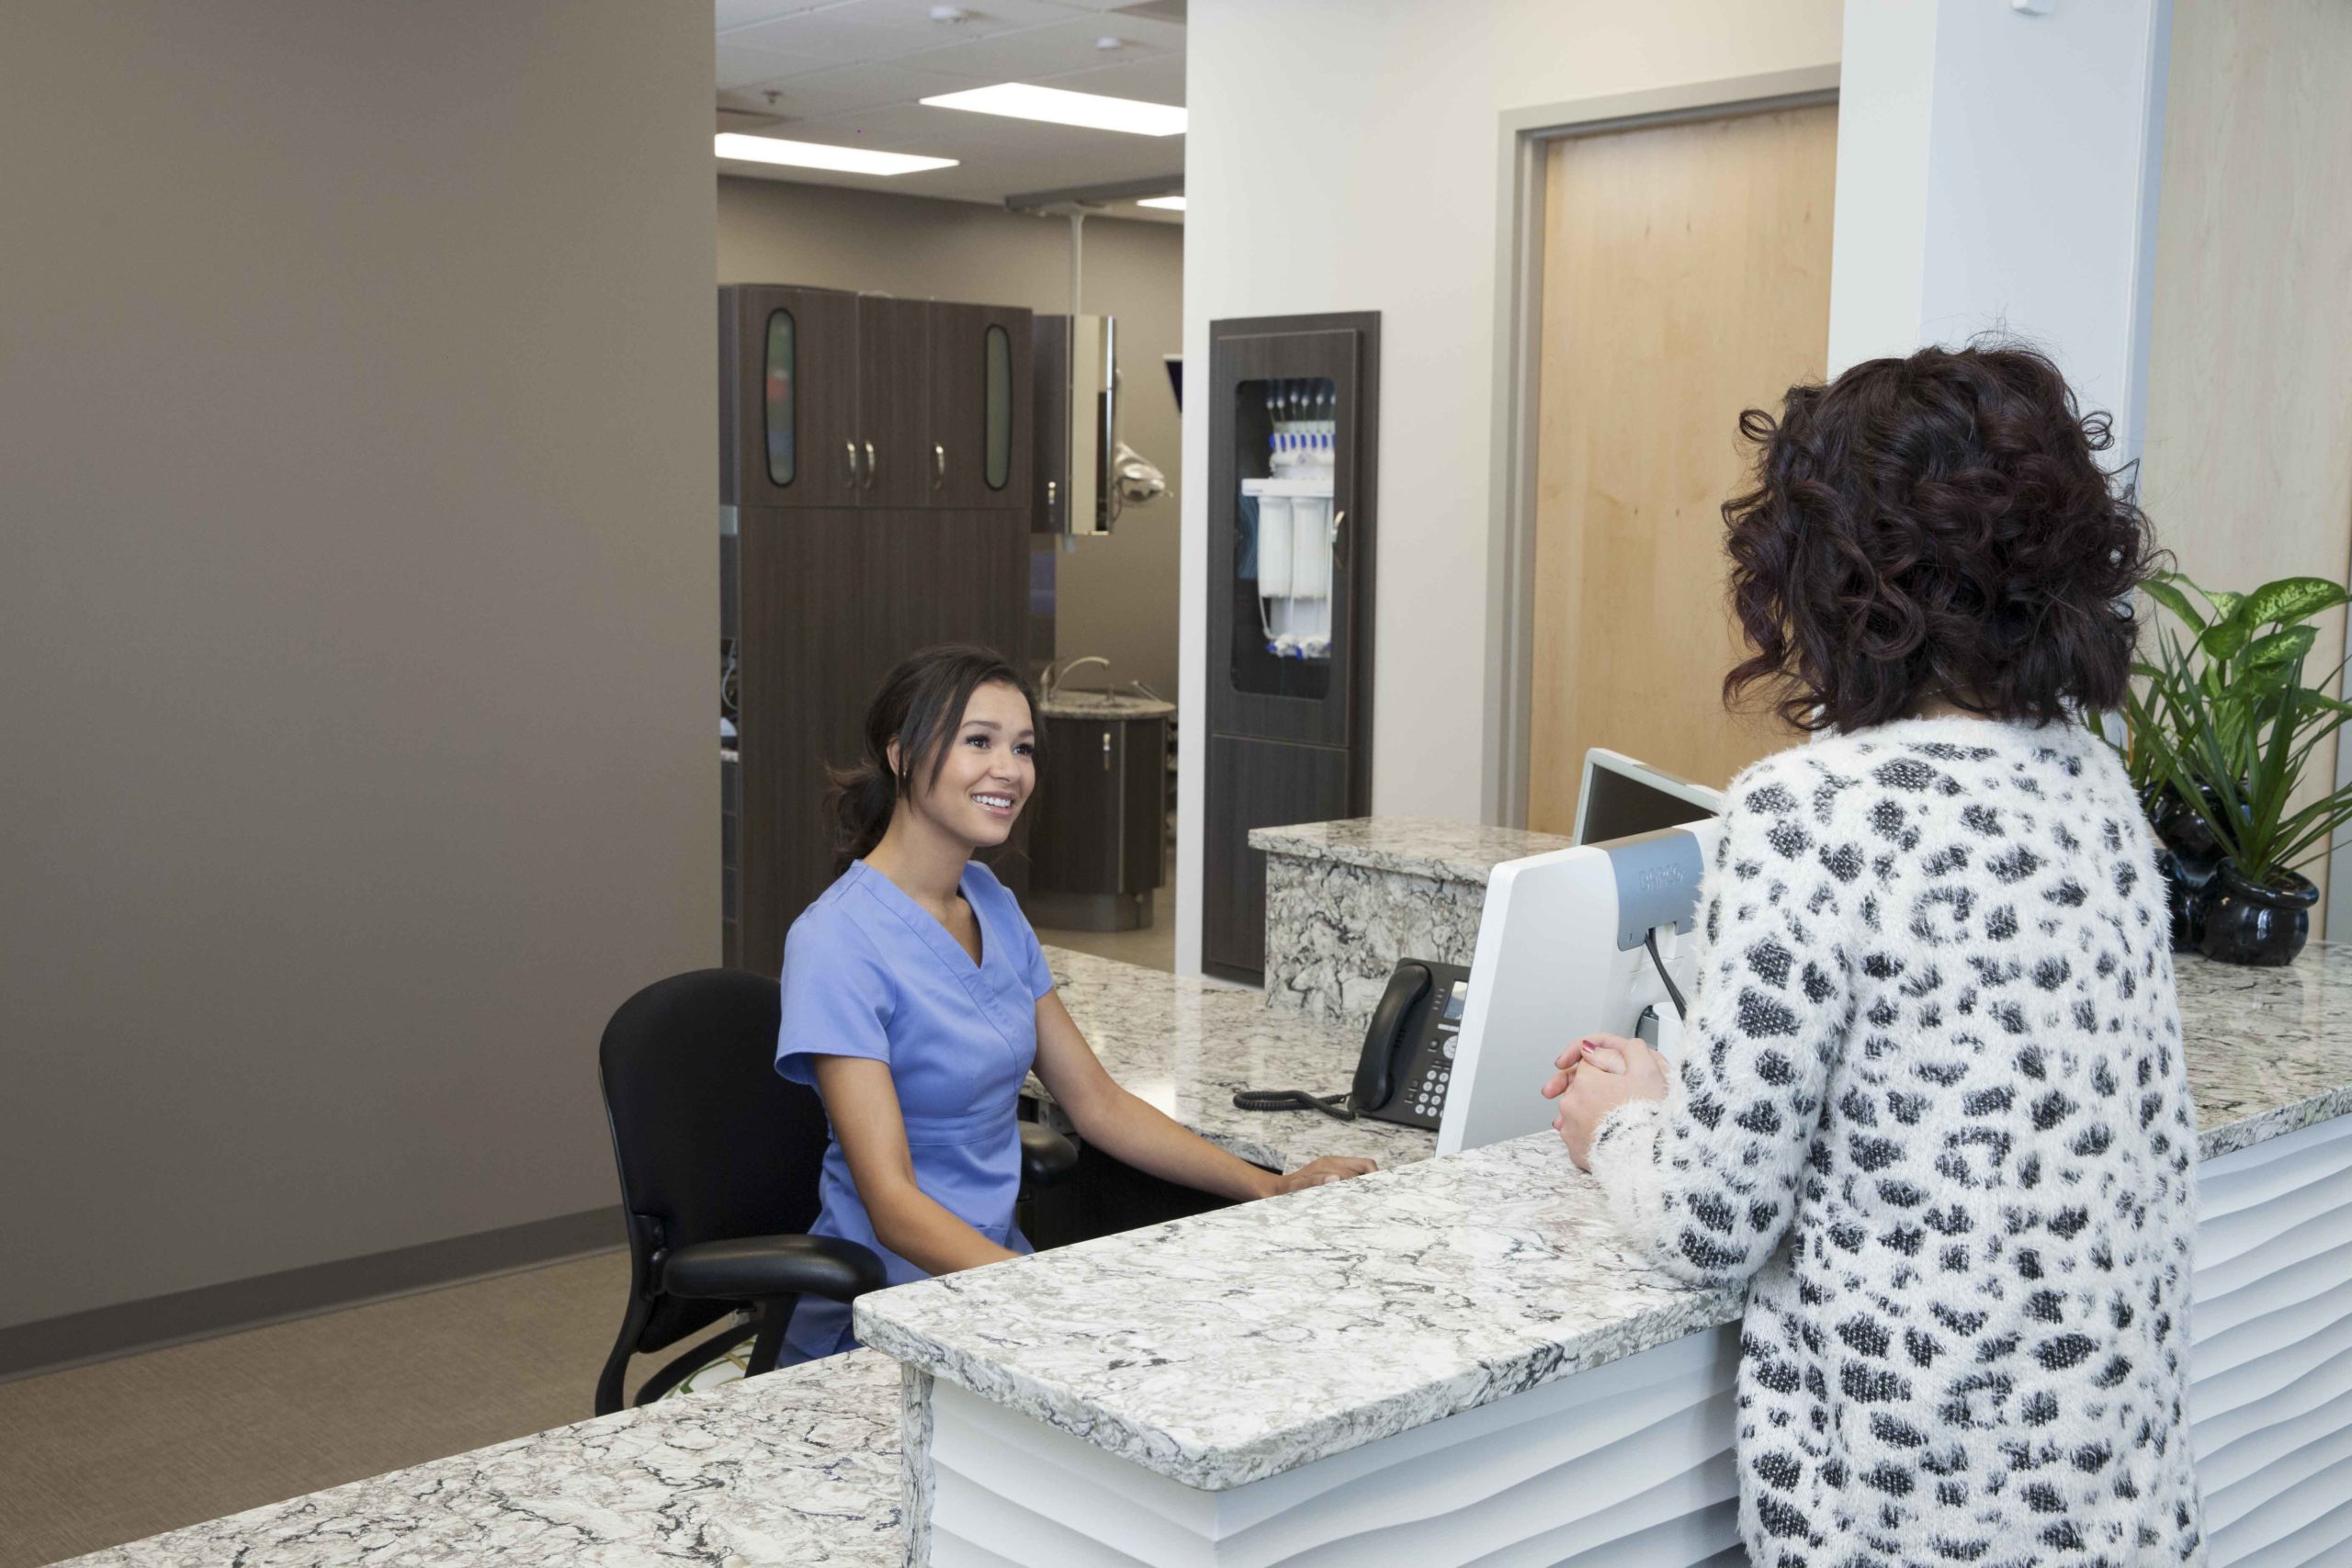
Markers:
point(53, 1344)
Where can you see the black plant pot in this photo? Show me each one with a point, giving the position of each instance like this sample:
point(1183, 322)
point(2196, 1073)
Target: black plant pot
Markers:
point(2247, 923)
point(2188, 856)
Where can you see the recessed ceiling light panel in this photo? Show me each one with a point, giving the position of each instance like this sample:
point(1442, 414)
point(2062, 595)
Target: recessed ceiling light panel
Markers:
point(1166, 203)
point(819, 155)
point(1020, 100)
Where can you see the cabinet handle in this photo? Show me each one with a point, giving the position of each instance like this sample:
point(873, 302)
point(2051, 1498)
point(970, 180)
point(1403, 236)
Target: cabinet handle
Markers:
point(1106, 750)
point(1339, 553)
point(1053, 499)
point(849, 455)
point(939, 466)
point(869, 465)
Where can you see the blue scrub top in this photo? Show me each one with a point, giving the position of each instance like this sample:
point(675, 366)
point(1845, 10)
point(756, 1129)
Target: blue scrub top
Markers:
point(869, 972)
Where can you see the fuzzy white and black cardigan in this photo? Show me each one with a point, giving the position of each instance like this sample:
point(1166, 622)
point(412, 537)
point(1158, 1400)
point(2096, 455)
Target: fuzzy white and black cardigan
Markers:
point(1931, 1097)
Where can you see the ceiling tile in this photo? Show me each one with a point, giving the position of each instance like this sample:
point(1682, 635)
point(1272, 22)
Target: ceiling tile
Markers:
point(743, 12)
point(1055, 50)
point(740, 65)
point(838, 88)
point(829, 35)
point(988, 19)
point(1159, 80)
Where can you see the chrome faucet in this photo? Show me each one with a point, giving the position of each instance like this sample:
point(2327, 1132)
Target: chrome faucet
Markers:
point(1053, 678)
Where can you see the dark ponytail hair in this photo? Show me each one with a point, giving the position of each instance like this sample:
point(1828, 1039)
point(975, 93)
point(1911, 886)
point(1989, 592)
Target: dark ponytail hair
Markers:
point(919, 706)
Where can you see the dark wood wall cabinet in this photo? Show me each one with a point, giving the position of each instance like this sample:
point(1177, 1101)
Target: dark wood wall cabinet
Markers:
point(1098, 819)
point(873, 483)
point(1292, 405)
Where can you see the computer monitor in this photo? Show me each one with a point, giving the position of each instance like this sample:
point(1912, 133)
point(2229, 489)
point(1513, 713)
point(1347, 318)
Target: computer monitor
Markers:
point(1620, 797)
point(1562, 955)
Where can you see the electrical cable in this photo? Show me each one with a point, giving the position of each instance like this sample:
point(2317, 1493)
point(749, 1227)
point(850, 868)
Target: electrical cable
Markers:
point(1331, 1105)
point(1650, 940)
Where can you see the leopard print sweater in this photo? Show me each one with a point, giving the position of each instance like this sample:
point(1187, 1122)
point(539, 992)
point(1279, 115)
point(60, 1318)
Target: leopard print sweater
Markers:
point(1934, 1047)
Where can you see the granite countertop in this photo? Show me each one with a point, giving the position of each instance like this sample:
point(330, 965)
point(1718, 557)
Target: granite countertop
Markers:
point(1102, 705)
point(1234, 1346)
point(1183, 1045)
point(801, 1466)
point(1415, 846)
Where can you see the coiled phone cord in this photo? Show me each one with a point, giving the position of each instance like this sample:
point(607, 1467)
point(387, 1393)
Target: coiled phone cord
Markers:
point(1331, 1105)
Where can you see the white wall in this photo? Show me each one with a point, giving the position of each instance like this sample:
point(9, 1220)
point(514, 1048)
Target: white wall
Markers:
point(1998, 172)
point(358, 556)
point(1344, 156)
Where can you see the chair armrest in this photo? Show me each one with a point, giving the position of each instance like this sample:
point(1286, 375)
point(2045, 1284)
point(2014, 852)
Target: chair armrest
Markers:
point(1046, 1156)
point(758, 1268)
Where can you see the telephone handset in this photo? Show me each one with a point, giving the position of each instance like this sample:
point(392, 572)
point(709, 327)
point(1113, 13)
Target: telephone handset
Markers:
point(1408, 1061)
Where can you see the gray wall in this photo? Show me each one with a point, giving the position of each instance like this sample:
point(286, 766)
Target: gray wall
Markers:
point(1117, 595)
point(356, 568)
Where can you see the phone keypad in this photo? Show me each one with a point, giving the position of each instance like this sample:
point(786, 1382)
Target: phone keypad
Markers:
point(1429, 1095)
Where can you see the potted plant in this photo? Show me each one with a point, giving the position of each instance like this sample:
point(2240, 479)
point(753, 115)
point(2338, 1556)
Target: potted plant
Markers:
point(2222, 728)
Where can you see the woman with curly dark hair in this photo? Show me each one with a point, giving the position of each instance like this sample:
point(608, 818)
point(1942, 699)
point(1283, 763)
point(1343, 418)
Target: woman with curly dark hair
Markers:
point(1934, 1047)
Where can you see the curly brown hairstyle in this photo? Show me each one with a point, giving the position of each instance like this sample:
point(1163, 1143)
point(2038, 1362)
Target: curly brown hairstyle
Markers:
point(1935, 527)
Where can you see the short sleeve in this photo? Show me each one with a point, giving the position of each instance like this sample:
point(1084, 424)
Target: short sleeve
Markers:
point(838, 997)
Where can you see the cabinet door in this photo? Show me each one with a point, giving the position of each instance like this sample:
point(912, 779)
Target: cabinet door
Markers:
point(981, 396)
point(1275, 383)
point(894, 401)
point(803, 580)
point(1074, 846)
point(787, 399)
point(1143, 813)
point(1256, 784)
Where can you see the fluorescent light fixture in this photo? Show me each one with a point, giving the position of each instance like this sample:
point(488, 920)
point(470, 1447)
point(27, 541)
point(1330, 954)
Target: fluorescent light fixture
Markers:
point(1166, 203)
point(817, 155)
point(1019, 100)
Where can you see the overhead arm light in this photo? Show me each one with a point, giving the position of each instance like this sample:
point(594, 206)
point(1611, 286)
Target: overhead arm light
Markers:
point(818, 155)
point(1166, 203)
point(1019, 100)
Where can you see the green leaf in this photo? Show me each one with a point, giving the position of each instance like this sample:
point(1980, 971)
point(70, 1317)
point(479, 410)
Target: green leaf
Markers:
point(2279, 650)
point(2226, 636)
point(2172, 599)
point(2292, 600)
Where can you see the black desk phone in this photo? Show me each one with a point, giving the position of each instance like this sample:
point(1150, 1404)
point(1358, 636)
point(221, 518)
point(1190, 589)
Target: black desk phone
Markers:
point(1408, 1059)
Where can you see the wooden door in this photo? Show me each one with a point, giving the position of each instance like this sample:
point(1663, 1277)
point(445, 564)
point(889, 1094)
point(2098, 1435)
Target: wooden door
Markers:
point(981, 394)
point(1686, 278)
point(894, 401)
point(788, 395)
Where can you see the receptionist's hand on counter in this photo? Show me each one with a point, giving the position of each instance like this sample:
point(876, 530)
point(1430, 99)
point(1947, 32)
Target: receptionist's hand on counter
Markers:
point(1316, 1172)
point(1595, 1076)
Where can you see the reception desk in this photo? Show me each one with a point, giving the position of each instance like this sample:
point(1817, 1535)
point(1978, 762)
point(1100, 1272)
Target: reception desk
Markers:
point(1449, 1360)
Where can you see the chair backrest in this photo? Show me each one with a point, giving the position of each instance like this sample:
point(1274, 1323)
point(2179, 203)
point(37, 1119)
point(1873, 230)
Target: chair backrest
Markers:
point(711, 1140)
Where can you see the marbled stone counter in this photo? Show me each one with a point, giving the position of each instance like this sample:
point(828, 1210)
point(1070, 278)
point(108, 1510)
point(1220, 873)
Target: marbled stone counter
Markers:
point(1185, 1044)
point(1230, 1346)
point(1346, 900)
point(801, 1466)
point(1102, 705)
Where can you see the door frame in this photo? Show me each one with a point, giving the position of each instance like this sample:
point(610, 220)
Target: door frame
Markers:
point(1524, 139)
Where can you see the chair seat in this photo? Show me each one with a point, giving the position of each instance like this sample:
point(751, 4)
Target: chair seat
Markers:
point(1045, 1156)
point(759, 1267)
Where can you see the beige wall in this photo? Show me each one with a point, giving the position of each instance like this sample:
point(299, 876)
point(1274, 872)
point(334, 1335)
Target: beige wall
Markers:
point(355, 607)
point(2247, 466)
point(1117, 596)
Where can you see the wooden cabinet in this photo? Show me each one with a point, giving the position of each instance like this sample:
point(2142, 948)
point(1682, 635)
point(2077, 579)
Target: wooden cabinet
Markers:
point(787, 371)
point(1257, 783)
point(1098, 821)
point(981, 446)
point(830, 398)
point(1291, 404)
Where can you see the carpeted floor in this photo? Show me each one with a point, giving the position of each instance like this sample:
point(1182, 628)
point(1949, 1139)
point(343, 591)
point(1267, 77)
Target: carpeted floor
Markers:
point(108, 1453)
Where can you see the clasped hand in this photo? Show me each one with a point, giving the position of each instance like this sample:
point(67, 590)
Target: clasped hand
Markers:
point(1595, 1076)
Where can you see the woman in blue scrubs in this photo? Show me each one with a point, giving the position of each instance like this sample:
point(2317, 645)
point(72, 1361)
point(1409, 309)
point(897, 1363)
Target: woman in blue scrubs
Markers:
point(916, 999)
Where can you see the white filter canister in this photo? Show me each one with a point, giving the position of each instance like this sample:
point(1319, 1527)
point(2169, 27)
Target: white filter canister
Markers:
point(1310, 574)
point(1275, 546)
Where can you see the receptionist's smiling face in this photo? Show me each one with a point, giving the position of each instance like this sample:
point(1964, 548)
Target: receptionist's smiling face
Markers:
point(988, 770)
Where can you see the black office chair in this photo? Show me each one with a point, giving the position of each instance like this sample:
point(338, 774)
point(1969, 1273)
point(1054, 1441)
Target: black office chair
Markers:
point(719, 1156)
